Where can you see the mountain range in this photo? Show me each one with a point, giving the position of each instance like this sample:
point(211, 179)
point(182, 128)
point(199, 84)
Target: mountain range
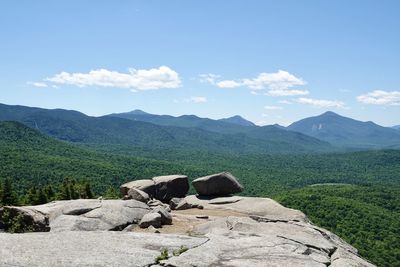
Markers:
point(328, 132)
point(164, 133)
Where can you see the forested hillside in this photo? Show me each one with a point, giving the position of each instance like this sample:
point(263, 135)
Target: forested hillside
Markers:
point(366, 217)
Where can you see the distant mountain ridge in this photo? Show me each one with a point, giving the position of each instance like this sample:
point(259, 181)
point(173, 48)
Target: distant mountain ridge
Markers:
point(343, 131)
point(327, 132)
point(235, 124)
point(186, 132)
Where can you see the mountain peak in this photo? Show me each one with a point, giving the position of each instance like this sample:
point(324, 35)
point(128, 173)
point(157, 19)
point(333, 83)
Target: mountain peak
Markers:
point(137, 112)
point(238, 120)
point(329, 113)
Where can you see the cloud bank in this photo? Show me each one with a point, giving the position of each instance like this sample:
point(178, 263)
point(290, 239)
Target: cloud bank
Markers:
point(320, 103)
point(276, 83)
point(380, 97)
point(142, 79)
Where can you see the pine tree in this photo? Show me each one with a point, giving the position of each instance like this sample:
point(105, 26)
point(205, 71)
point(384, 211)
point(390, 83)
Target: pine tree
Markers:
point(1, 194)
point(64, 191)
point(48, 190)
point(31, 198)
point(8, 196)
point(88, 191)
point(41, 197)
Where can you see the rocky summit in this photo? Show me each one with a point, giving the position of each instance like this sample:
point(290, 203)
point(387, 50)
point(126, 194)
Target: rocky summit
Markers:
point(203, 231)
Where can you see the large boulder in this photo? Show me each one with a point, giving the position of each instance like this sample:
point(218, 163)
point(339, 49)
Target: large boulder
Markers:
point(146, 185)
point(170, 186)
point(23, 219)
point(110, 215)
point(81, 215)
point(220, 184)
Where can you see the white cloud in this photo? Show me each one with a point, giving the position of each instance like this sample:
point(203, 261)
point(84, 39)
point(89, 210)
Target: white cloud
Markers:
point(276, 83)
point(286, 102)
point(38, 84)
point(196, 99)
point(321, 103)
point(151, 79)
point(273, 108)
point(379, 97)
point(209, 78)
point(228, 84)
point(281, 80)
point(286, 92)
point(253, 93)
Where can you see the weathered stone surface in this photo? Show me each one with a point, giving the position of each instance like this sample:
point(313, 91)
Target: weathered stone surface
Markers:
point(151, 219)
point(342, 257)
point(146, 185)
point(170, 186)
point(28, 219)
point(230, 231)
point(219, 184)
point(242, 241)
point(166, 217)
point(265, 207)
point(78, 249)
point(138, 195)
point(91, 214)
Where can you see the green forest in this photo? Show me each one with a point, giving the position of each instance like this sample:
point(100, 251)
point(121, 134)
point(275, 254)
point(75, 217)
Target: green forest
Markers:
point(368, 217)
point(362, 208)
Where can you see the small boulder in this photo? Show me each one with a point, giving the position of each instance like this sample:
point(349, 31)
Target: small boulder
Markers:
point(170, 186)
point(157, 203)
point(146, 185)
point(152, 229)
point(220, 184)
point(183, 205)
point(174, 202)
point(150, 219)
point(166, 217)
point(138, 195)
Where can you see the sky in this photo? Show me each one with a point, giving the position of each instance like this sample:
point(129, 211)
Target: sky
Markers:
point(268, 61)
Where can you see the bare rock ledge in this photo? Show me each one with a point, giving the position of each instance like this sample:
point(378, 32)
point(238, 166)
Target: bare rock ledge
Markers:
point(228, 231)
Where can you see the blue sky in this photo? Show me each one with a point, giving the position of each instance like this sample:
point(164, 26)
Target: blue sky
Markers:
point(269, 61)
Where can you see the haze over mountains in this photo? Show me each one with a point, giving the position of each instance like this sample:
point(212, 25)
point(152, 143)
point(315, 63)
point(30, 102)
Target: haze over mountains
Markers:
point(328, 132)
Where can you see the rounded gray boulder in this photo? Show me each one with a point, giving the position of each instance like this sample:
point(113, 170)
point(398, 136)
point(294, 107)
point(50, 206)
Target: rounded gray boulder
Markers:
point(146, 185)
point(219, 184)
point(170, 186)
